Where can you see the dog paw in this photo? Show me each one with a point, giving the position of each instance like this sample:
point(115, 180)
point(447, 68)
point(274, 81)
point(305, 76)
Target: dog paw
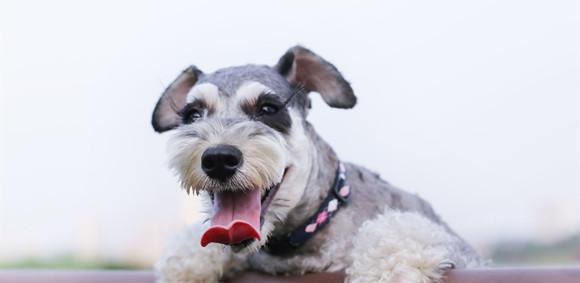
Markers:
point(185, 261)
point(400, 247)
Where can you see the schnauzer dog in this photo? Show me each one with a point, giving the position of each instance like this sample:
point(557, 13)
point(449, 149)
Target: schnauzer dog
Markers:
point(278, 198)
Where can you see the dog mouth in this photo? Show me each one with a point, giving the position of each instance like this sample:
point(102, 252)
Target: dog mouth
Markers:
point(239, 215)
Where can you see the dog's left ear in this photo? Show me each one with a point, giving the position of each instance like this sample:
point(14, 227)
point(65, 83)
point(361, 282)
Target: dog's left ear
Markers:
point(165, 116)
point(301, 66)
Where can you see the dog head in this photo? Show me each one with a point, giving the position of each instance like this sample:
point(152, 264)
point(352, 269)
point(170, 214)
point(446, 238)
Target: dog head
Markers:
point(240, 139)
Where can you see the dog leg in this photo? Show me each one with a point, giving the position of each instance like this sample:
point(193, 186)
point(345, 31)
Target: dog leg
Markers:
point(404, 247)
point(184, 260)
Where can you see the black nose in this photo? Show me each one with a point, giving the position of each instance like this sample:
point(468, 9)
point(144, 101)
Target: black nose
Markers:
point(221, 162)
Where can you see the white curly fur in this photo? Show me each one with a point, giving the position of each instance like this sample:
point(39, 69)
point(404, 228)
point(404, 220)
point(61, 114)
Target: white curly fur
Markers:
point(400, 247)
point(395, 247)
point(184, 260)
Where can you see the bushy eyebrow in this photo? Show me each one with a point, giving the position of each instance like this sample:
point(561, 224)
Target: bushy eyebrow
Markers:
point(204, 96)
point(249, 104)
point(196, 103)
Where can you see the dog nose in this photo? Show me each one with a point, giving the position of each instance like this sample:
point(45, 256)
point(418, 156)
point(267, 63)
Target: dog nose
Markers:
point(221, 162)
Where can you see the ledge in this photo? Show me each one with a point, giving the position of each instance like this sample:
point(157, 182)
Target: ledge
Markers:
point(495, 275)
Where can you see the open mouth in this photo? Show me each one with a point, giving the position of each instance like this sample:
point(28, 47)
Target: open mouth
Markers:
point(239, 215)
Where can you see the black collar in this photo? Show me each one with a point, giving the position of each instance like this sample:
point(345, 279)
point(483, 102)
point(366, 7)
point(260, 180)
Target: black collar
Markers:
point(337, 197)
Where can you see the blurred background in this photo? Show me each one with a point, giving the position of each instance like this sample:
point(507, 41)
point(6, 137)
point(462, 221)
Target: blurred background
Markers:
point(474, 105)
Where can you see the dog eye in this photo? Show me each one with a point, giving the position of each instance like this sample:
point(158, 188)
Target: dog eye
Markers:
point(268, 109)
point(192, 115)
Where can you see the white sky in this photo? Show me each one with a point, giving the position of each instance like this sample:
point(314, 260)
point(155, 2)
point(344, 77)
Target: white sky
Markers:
point(472, 104)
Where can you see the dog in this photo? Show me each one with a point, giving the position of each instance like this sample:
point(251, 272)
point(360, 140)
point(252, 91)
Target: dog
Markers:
point(278, 198)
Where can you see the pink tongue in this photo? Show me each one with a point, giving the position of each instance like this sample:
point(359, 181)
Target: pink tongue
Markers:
point(236, 218)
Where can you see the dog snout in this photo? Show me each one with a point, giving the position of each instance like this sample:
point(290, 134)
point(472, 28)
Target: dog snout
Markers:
point(221, 162)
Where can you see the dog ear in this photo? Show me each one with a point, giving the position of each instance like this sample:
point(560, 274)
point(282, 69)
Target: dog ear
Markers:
point(165, 116)
point(301, 66)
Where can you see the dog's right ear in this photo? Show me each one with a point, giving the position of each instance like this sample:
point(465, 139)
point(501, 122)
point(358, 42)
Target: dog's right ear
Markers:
point(165, 116)
point(302, 67)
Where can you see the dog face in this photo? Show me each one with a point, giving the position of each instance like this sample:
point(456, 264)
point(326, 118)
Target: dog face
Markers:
point(240, 139)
